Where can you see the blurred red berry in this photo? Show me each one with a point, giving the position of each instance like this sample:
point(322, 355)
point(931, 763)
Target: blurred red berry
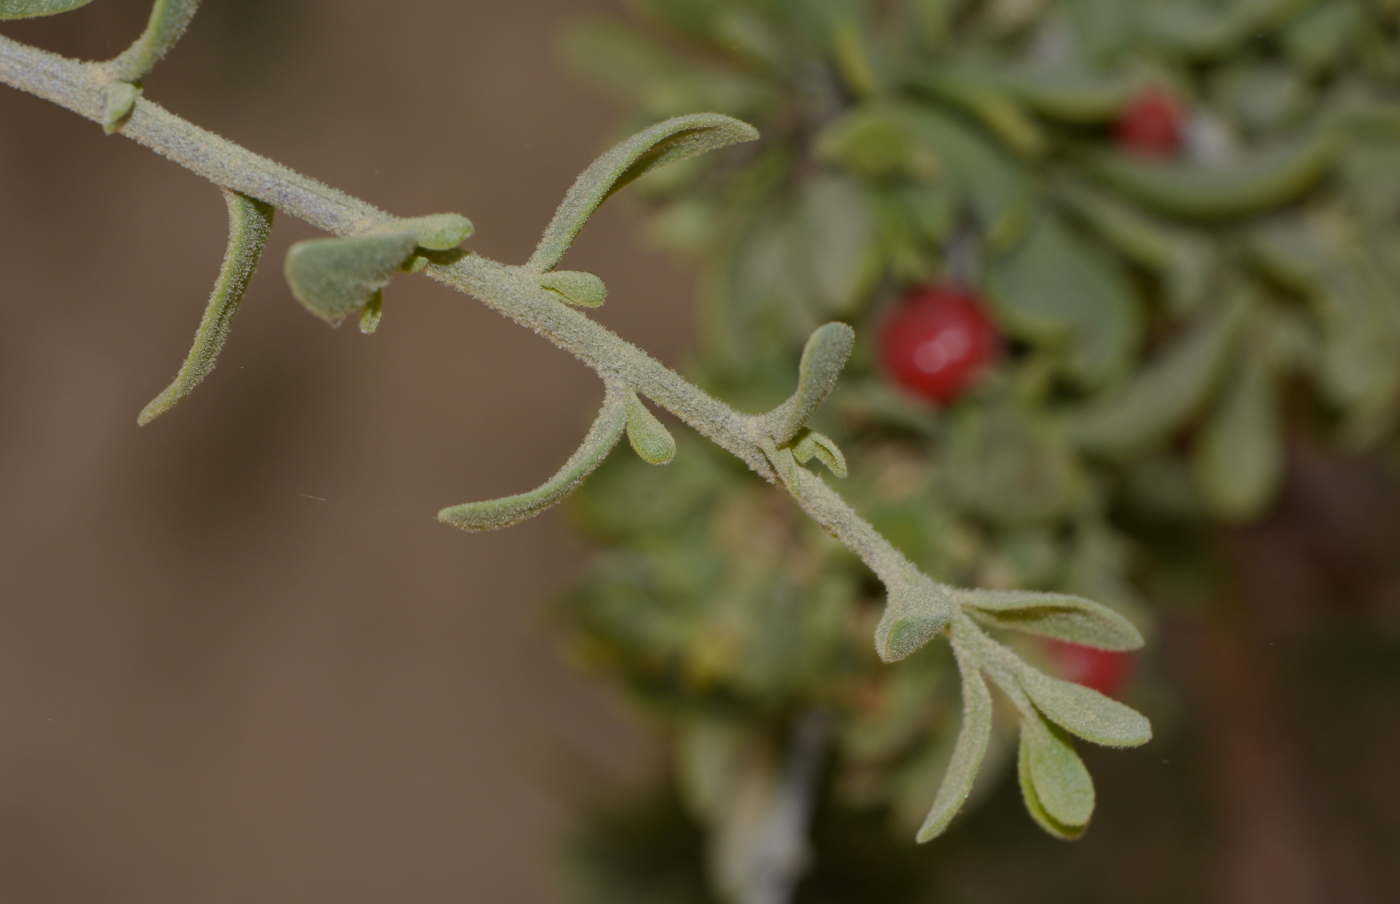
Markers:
point(1151, 125)
point(1105, 671)
point(938, 340)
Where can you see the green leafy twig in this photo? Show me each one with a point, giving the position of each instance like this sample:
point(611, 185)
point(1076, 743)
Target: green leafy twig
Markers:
point(338, 276)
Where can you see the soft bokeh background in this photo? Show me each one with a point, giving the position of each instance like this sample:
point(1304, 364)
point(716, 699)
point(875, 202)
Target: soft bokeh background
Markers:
point(239, 659)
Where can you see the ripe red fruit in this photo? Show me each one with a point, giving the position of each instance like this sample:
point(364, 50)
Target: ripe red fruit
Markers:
point(1151, 125)
point(938, 340)
point(1105, 671)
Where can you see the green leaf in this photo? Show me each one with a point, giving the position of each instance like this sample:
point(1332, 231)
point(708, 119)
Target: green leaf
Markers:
point(168, 21)
point(1238, 456)
point(917, 610)
point(812, 444)
point(249, 225)
point(30, 9)
point(495, 514)
point(825, 355)
point(336, 277)
point(1270, 178)
point(1055, 288)
point(834, 253)
point(785, 464)
point(372, 313)
point(576, 287)
point(1164, 394)
point(118, 100)
point(1083, 711)
point(435, 232)
point(1013, 465)
point(1058, 615)
point(666, 142)
point(990, 104)
point(1057, 789)
point(874, 141)
point(652, 441)
point(968, 753)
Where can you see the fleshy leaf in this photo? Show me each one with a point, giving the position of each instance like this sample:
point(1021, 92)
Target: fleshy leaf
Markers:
point(118, 100)
point(249, 225)
point(1164, 393)
point(784, 464)
point(666, 142)
point(337, 277)
point(1031, 795)
point(32, 9)
point(576, 287)
point(1083, 711)
point(495, 514)
point(1057, 777)
point(918, 609)
point(968, 752)
point(168, 21)
point(372, 313)
point(1238, 456)
point(822, 360)
point(1058, 615)
point(436, 232)
point(649, 438)
point(816, 445)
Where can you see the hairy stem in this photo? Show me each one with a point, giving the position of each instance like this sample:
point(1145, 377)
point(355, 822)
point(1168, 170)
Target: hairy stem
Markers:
point(513, 291)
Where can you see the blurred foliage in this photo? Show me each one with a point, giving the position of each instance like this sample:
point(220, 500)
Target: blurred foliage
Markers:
point(1170, 320)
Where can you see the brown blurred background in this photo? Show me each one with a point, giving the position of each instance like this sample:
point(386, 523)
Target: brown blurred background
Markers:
point(239, 659)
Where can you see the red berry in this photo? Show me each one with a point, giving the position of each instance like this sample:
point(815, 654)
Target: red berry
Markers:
point(1105, 671)
point(1150, 125)
point(938, 340)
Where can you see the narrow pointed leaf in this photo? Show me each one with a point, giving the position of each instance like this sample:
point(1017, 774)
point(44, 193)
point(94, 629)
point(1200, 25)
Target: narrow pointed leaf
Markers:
point(1164, 394)
point(168, 21)
point(372, 313)
point(1057, 775)
point(968, 752)
point(822, 360)
point(1238, 456)
point(1031, 796)
point(666, 142)
point(495, 514)
point(31, 9)
point(917, 610)
point(576, 287)
point(816, 445)
point(1083, 711)
point(250, 224)
point(1058, 615)
point(438, 231)
point(649, 438)
point(334, 278)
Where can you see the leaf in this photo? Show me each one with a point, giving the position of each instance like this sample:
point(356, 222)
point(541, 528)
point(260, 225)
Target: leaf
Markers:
point(1058, 615)
point(1083, 711)
point(873, 141)
point(30, 9)
point(784, 464)
point(372, 313)
point(834, 253)
point(495, 514)
point(118, 100)
point(815, 445)
point(168, 21)
point(666, 142)
point(1056, 288)
point(249, 225)
point(1012, 465)
point(336, 277)
point(991, 105)
point(1270, 178)
point(652, 441)
point(917, 610)
point(583, 290)
point(435, 232)
point(968, 752)
point(1053, 781)
point(1238, 456)
point(823, 359)
point(1164, 393)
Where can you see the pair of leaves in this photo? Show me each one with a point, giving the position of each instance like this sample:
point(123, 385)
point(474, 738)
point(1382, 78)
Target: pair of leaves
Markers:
point(621, 411)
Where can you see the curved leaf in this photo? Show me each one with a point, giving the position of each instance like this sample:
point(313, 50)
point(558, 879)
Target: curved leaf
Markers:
point(576, 287)
point(1045, 772)
point(168, 21)
point(666, 142)
point(336, 277)
point(1058, 615)
point(1083, 711)
point(1238, 456)
point(917, 610)
point(649, 438)
point(437, 231)
point(991, 105)
point(495, 514)
point(249, 225)
point(825, 355)
point(1164, 394)
point(32, 9)
point(816, 445)
point(968, 752)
